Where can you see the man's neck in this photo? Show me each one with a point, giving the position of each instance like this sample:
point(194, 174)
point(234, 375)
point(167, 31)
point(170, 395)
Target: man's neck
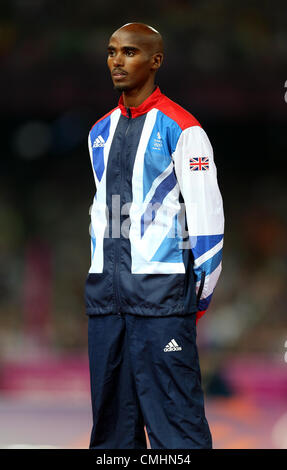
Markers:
point(136, 97)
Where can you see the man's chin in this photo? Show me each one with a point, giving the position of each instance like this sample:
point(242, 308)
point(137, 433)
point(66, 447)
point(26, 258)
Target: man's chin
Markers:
point(121, 88)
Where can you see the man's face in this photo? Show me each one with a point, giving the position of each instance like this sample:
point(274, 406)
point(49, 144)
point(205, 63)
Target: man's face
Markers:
point(129, 60)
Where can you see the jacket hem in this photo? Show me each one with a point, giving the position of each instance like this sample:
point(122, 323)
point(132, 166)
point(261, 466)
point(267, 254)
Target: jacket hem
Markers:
point(142, 312)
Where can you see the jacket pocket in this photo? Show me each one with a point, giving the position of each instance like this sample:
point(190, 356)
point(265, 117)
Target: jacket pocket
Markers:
point(201, 285)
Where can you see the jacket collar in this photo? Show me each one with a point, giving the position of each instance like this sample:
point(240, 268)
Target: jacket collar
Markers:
point(143, 108)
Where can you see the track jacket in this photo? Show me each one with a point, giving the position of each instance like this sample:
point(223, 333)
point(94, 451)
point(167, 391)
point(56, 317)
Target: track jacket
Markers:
point(157, 216)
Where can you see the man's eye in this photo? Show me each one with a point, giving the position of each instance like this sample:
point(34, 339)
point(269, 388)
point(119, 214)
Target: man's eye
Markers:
point(111, 53)
point(130, 53)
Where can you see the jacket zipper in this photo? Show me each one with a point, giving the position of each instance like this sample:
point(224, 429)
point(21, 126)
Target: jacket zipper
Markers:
point(202, 279)
point(118, 241)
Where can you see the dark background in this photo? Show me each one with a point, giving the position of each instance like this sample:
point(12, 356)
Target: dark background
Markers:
point(225, 62)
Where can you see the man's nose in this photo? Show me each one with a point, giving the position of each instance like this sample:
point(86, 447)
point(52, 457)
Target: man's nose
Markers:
point(118, 60)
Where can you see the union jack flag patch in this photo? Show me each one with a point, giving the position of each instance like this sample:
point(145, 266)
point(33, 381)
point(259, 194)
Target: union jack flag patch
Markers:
point(199, 163)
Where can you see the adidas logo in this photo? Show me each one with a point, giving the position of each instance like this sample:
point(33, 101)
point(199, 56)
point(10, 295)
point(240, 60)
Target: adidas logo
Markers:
point(99, 142)
point(172, 346)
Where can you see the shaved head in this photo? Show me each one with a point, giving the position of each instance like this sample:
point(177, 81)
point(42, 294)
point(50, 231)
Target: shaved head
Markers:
point(149, 37)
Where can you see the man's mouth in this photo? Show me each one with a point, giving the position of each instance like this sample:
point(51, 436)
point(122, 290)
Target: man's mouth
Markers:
point(118, 73)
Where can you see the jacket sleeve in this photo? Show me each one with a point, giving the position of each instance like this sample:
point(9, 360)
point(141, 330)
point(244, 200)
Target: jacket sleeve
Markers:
point(197, 178)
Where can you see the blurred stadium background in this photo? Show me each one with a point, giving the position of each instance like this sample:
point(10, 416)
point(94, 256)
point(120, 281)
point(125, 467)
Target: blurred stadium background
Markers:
point(226, 63)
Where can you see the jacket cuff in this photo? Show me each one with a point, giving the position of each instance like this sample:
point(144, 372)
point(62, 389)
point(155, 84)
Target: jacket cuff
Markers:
point(199, 314)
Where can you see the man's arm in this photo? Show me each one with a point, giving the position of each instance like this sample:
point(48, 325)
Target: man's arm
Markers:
point(197, 177)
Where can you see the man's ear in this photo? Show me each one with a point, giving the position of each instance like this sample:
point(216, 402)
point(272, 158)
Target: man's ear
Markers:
point(157, 60)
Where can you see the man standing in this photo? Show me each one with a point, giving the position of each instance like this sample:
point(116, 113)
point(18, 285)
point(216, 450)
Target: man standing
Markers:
point(156, 241)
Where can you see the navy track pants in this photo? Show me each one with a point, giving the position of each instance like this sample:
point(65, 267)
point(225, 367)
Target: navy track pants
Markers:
point(145, 371)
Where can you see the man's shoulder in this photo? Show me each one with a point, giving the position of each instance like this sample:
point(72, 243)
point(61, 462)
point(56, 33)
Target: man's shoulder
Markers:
point(103, 118)
point(177, 113)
